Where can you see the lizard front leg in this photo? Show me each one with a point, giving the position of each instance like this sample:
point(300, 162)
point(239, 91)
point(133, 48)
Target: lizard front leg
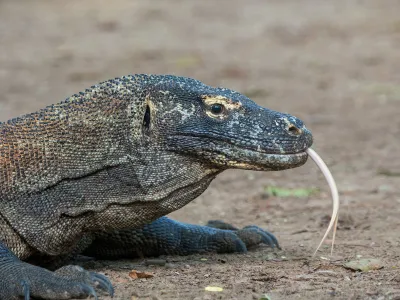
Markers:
point(165, 236)
point(23, 280)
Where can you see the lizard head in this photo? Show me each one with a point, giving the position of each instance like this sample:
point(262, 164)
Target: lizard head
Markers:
point(224, 127)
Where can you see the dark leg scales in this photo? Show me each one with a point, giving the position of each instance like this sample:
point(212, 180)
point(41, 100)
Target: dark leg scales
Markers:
point(20, 280)
point(168, 237)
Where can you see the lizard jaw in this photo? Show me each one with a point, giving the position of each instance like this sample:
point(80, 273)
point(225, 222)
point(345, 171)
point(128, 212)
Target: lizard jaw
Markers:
point(226, 155)
point(266, 162)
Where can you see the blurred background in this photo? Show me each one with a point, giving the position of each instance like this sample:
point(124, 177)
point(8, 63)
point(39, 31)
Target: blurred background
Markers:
point(334, 63)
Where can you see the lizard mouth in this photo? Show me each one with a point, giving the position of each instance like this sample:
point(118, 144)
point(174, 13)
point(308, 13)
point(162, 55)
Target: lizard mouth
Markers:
point(230, 154)
point(260, 161)
point(286, 147)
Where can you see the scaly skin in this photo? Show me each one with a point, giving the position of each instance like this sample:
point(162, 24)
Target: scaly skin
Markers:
point(96, 174)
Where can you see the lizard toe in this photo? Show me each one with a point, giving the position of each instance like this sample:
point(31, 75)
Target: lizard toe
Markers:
point(224, 241)
point(87, 289)
point(25, 289)
point(221, 225)
point(254, 235)
point(102, 282)
point(22, 280)
point(270, 235)
point(251, 235)
point(91, 279)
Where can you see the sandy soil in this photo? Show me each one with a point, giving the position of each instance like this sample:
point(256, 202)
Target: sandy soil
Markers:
point(335, 64)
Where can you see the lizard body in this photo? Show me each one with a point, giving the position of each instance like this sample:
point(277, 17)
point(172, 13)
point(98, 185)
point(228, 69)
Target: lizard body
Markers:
point(105, 166)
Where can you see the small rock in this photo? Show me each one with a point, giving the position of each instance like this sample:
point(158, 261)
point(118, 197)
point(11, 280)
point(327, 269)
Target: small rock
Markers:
point(169, 266)
point(214, 289)
point(364, 264)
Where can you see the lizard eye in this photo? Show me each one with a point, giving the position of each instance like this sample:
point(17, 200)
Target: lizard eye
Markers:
point(217, 108)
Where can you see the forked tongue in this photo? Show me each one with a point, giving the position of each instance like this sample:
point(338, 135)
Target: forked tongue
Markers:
point(335, 197)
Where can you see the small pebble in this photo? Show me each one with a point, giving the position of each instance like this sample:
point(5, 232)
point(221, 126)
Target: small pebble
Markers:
point(364, 264)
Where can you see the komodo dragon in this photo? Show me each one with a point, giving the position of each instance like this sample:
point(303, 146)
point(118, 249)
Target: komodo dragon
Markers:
point(97, 173)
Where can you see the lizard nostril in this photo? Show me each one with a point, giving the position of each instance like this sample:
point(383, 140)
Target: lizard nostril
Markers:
point(294, 130)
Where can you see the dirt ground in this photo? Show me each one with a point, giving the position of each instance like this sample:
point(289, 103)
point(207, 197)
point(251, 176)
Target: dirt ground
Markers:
point(334, 63)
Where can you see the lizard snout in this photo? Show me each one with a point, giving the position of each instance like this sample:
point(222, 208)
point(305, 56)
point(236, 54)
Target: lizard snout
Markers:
point(301, 137)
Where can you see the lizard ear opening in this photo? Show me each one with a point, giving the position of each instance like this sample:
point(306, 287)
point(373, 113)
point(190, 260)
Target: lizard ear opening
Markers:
point(146, 119)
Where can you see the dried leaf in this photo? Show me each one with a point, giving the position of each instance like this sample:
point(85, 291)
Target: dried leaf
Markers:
point(133, 274)
point(136, 274)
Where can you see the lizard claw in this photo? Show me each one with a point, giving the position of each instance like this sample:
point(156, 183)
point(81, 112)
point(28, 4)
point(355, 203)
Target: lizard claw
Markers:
point(103, 283)
point(87, 289)
point(254, 235)
point(25, 290)
point(251, 235)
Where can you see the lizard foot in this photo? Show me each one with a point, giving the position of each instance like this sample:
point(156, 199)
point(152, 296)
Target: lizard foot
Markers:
point(166, 236)
point(23, 280)
point(250, 235)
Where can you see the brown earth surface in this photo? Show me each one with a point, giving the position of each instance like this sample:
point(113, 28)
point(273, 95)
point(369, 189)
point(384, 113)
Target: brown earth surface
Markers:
point(334, 63)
